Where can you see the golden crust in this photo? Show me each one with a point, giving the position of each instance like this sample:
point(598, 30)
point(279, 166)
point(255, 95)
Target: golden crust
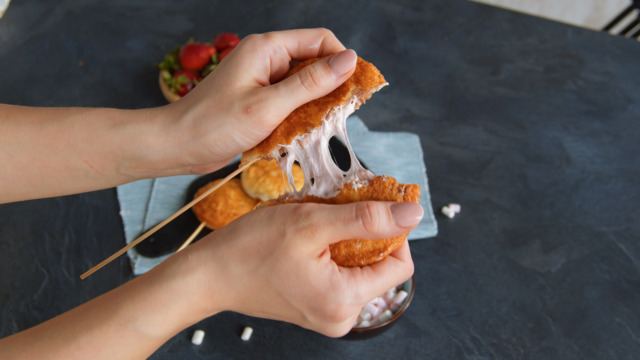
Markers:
point(264, 180)
point(363, 83)
point(224, 205)
point(361, 252)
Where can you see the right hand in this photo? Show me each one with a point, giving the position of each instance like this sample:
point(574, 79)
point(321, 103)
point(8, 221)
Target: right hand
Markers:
point(275, 262)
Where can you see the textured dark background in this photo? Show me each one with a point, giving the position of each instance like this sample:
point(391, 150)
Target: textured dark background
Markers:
point(531, 125)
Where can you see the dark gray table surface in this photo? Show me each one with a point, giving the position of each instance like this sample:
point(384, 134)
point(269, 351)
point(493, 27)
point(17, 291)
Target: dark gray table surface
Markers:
point(533, 126)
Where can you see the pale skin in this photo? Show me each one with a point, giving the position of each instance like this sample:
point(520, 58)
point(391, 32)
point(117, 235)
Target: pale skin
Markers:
point(285, 273)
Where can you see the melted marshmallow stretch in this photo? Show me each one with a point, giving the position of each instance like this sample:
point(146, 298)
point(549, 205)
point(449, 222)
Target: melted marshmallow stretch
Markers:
point(323, 178)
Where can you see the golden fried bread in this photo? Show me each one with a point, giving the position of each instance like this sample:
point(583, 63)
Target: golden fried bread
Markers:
point(224, 205)
point(303, 138)
point(361, 252)
point(265, 181)
point(359, 87)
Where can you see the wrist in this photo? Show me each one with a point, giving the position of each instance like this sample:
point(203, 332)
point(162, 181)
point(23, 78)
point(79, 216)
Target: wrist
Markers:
point(154, 144)
point(176, 295)
point(205, 277)
point(174, 142)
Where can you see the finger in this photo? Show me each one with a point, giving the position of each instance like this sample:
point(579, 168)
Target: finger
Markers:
point(313, 81)
point(307, 43)
point(363, 220)
point(269, 56)
point(281, 48)
point(300, 44)
point(373, 280)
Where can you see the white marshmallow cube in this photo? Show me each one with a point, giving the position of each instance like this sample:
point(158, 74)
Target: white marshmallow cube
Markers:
point(386, 315)
point(246, 333)
point(389, 295)
point(364, 324)
point(456, 208)
point(372, 309)
point(365, 315)
point(446, 211)
point(379, 302)
point(197, 337)
point(398, 300)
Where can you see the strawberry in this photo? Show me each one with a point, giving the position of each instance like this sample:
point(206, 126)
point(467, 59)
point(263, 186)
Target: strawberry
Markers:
point(194, 56)
point(225, 40)
point(182, 81)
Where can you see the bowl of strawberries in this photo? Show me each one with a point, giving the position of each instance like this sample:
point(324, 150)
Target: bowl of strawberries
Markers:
point(185, 66)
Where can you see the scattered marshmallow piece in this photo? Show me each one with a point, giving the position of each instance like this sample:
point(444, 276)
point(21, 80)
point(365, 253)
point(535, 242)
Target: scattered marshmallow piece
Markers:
point(246, 333)
point(386, 315)
point(446, 211)
point(456, 208)
point(197, 337)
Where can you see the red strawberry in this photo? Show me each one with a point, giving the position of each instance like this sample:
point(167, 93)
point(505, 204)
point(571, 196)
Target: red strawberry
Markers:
point(225, 40)
point(183, 81)
point(224, 53)
point(194, 56)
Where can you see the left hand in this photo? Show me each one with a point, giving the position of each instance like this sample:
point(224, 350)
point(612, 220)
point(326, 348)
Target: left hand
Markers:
point(245, 98)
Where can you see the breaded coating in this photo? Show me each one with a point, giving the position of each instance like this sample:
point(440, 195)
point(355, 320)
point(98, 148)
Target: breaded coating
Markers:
point(362, 84)
point(361, 252)
point(224, 205)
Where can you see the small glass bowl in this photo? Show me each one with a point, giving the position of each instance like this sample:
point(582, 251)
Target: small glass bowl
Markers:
point(380, 327)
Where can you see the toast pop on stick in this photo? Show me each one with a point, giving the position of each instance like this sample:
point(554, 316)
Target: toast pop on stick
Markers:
point(164, 222)
point(303, 138)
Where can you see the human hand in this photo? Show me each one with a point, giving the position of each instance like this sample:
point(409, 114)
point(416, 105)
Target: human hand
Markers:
point(275, 262)
point(232, 110)
point(245, 98)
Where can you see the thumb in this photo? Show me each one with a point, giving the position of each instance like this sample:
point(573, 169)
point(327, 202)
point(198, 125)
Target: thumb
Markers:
point(316, 80)
point(370, 220)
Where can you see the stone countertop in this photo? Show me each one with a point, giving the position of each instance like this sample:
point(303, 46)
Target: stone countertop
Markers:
point(531, 125)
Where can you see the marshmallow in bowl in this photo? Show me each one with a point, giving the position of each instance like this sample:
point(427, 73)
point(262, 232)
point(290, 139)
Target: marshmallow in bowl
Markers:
point(382, 308)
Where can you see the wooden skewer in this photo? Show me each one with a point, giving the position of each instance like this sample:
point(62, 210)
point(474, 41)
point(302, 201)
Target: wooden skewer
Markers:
point(192, 236)
point(166, 221)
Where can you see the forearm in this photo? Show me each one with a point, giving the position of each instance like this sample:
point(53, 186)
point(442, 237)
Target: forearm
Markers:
point(56, 151)
point(129, 322)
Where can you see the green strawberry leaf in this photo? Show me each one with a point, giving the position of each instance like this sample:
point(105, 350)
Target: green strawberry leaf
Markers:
point(171, 61)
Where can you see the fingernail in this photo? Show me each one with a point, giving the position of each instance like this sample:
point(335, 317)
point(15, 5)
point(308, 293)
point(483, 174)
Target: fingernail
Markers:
point(342, 62)
point(406, 214)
